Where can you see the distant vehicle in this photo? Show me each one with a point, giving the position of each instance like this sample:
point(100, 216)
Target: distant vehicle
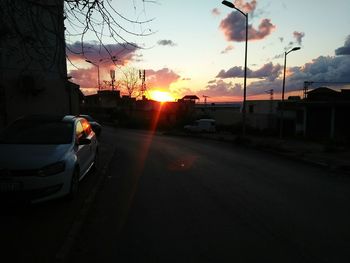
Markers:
point(44, 157)
point(201, 125)
point(96, 127)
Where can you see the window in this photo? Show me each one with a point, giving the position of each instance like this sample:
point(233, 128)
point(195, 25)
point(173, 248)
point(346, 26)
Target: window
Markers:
point(37, 132)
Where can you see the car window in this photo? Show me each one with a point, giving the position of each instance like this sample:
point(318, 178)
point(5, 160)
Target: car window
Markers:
point(37, 132)
point(88, 117)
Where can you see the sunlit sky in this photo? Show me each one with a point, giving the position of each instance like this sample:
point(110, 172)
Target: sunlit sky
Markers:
point(193, 41)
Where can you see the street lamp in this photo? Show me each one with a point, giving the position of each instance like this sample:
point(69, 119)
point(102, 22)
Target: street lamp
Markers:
point(98, 73)
point(283, 85)
point(231, 5)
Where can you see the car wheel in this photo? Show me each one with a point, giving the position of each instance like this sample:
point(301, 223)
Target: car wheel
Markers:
point(74, 185)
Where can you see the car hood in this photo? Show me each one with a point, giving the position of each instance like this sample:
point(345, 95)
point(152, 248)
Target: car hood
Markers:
point(28, 156)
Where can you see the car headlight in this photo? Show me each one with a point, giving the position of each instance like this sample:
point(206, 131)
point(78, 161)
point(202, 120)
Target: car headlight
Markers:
point(52, 169)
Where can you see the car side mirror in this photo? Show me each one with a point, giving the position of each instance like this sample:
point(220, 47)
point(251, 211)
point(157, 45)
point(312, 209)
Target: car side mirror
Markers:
point(84, 141)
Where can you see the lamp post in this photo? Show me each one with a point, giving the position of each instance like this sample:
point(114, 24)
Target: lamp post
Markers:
point(231, 5)
point(98, 73)
point(283, 88)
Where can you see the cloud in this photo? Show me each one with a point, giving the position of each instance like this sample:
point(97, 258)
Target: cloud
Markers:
point(246, 7)
point(298, 36)
point(344, 50)
point(93, 51)
point(86, 78)
point(215, 12)
point(267, 71)
point(181, 91)
point(162, 78)
point(220, 88)
point(326, 69)
point(165, 42)
point(233, 27)
point(121, 54)
point(227, 49)
point(298, 39)
point(235, 72)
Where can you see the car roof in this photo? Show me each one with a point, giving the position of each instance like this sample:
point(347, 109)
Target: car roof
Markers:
point(48, 117)
point(210, 120)
point(86, 116)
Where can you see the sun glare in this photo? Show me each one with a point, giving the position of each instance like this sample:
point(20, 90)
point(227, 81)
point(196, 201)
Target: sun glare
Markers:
point(161, 96)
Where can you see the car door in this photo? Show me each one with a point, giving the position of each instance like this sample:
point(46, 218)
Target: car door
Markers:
point(91, 136)
point(83, 151)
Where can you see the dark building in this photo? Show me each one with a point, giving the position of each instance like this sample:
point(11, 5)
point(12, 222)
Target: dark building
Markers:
point(33, 73)
point(324, 114)
point(101, 105)
point(328, 114)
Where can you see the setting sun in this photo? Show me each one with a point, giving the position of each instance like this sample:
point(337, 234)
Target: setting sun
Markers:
point(161, 96)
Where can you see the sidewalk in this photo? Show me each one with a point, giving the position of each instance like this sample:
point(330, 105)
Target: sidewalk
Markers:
point(335, 159)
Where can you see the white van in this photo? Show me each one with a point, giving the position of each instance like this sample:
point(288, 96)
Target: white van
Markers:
point(201, 125)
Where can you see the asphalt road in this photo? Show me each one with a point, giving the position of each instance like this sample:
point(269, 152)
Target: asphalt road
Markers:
point(174, 199)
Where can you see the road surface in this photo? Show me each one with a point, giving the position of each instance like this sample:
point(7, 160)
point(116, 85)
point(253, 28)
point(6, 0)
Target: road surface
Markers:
point(175, 199)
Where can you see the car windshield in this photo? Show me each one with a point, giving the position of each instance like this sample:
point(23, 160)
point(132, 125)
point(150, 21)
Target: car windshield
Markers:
point(89, 118)
point(37, 132)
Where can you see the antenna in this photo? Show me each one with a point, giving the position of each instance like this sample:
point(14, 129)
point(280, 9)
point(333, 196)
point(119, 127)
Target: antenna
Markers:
point(205, 99)
point(142, 76)
point(270, 91)
point(112, 74)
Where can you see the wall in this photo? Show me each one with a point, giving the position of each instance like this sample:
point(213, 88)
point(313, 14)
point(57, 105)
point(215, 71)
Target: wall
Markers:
point(33, 61)
point(223, 114)
point(262, 114)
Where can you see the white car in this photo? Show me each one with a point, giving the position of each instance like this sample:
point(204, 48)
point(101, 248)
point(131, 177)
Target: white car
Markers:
point(44, 157)
point(201, 125)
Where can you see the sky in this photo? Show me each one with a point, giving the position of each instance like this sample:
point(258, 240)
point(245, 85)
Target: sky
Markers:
point(198, 47)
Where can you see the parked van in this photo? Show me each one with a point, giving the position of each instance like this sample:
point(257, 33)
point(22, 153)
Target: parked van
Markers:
point(201, 125)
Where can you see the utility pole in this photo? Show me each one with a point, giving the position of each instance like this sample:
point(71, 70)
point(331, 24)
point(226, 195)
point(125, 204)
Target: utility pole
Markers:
point(244, 110)
point(283, 88)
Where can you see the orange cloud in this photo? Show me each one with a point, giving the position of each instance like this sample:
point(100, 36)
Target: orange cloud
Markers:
point(162, 78)
point(248, 7)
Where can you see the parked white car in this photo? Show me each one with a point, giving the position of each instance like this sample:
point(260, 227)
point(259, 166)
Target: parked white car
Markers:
point(201, 125)
point(44, 157)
